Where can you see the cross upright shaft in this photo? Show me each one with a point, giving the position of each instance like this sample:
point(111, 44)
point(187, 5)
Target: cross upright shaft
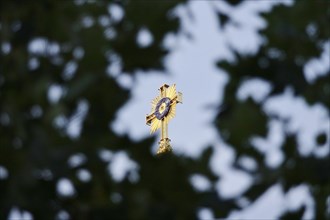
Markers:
point(164, 125)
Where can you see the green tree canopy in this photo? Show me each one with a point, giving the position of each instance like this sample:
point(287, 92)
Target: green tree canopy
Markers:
point(58, 74)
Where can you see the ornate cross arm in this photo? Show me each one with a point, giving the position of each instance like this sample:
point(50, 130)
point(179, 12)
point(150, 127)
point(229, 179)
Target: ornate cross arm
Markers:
point(162, 111)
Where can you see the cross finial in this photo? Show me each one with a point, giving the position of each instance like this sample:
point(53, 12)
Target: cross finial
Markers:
point(162, 111)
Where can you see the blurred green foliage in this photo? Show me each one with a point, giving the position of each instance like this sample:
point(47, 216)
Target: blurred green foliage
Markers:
point(290, 44)
point(35, 149)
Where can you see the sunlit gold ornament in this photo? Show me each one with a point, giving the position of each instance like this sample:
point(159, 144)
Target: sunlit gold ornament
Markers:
point(162, 111)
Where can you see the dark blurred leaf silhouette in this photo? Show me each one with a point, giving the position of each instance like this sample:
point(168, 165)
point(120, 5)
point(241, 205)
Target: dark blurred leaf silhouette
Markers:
point(281, 62)
point(77, 43)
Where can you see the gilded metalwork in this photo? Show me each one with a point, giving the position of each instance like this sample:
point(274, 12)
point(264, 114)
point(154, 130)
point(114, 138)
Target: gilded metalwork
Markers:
point(163, 109)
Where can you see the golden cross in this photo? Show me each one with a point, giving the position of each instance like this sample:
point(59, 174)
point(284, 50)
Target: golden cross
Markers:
point(163, 109)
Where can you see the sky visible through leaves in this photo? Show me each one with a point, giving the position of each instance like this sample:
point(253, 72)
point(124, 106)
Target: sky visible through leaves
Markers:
point(255, 110)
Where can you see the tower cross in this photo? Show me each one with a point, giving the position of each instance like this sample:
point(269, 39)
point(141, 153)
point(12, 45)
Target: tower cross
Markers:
point(163, 109)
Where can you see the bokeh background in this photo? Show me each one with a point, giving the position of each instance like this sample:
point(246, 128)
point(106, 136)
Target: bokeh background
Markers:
point(251, 139)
